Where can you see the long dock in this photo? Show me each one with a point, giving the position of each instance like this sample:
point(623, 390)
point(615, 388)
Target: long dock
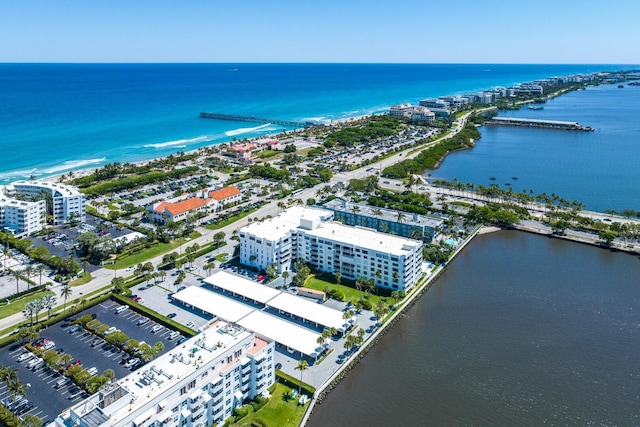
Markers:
point(238, 118)
point(535, 123)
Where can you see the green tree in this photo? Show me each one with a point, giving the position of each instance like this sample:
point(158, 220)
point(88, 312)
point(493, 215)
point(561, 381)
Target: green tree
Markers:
point(66, 292)
point(302, 366)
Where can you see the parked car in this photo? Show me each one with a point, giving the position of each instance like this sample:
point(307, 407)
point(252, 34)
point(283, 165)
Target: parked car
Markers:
point(74, 328)
point(171, 315)
point(190, 325)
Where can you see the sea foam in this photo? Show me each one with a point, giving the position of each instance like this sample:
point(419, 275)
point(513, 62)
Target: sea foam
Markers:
point(177, 143)
point(240, 131)
point(73, 164)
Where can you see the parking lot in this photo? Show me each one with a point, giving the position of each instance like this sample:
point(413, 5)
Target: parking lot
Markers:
point(48, 401)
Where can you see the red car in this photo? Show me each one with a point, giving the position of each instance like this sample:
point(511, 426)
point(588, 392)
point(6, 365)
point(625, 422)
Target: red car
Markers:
point(77, 362)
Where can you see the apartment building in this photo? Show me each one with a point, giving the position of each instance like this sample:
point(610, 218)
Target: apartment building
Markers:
point(303, 233)
point(22, 218)
point(400, 223)
point(63, 202)
point(197, 384)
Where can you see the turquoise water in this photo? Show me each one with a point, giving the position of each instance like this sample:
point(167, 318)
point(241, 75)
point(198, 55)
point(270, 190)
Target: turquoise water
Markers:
point(598, 168)
point(59, 117)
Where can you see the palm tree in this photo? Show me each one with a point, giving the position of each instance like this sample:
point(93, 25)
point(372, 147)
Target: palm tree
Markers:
point(16, 275)
point(338, 279)
point(303, 365)
point(8, 373)
point(40, 268)
point(321, 340)
point(285, 276)
point(16, 388)
point(48, 302)
point(400, 217)
point(29, 311)
point(66, 292)
point(28, 271)
point(5, 252)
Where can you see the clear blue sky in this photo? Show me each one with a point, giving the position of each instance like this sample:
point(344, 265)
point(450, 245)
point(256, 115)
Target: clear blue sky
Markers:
point(422, 31)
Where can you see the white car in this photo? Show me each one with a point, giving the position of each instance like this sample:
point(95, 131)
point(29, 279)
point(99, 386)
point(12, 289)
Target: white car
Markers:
point(26, 356)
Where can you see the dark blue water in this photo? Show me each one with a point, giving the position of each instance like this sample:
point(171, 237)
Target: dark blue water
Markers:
point(598, 168)
point(59, 117)
point(522, 330)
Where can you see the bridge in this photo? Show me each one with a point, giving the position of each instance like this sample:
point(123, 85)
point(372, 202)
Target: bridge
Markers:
point(238, 118)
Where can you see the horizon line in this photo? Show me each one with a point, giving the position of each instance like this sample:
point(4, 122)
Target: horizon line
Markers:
point(301, 63)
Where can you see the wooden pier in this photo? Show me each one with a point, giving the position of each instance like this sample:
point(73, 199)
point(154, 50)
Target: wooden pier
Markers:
point(535, 123)
point(237, 118)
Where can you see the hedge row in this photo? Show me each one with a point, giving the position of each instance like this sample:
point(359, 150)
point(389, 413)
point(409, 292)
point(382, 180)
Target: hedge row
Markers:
point(294, 383)
point(159, 318)
point(26, 292)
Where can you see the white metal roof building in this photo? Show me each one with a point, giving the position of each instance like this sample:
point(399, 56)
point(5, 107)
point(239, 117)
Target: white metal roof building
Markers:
point(243, 287)
point(212, 303)
point(288, 334)
point(322, 316)
point(196, 384)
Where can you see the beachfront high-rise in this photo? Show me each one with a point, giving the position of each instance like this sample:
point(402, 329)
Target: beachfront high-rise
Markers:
point(392, 262)
point(197, 384)
point(63, 202)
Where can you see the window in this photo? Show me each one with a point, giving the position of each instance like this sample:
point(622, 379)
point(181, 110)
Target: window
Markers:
point(183, 390)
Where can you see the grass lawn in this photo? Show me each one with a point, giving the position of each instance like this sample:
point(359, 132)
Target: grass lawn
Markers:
point(144, 255)
point(86, 278)
point(267, 153)
point(350, 294)
point(229, 220)
point(17, 306)
point(277, 412)
point(221, 257)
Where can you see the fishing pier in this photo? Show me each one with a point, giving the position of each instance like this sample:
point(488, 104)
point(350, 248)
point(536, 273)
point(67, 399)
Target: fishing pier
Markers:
point(535, 123)
point(238, 118)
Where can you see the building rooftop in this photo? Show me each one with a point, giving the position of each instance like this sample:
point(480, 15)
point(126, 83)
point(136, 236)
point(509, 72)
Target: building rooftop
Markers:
point(364, 238)
point(314, 312)
point(275, 228)
point(64, 190)
point(182, 206)
point(284, 332)
point(384, 214)
point(224, 193)
point(241, 286)
point(211, 302)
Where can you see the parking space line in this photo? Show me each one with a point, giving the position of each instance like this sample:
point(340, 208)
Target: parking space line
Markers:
point(16, 351)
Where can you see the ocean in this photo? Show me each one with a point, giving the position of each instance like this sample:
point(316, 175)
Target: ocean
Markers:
point(55, 118)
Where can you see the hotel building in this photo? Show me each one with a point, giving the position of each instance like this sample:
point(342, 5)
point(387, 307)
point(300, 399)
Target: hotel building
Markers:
point(304, 233)
point(198, 384)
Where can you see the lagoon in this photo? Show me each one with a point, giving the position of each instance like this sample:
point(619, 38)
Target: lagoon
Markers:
point(520, 330)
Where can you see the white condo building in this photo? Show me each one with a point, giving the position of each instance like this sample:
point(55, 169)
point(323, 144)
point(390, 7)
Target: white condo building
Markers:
point(64, 202)
point(197, 384)
point(21, 218)
point(393, 262)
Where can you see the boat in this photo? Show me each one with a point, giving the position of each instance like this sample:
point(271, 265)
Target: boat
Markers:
point(536, 107)
point(620, 86)
point(493, 178)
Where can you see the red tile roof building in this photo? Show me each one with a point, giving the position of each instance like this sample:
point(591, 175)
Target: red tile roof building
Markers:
point(166, 211)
